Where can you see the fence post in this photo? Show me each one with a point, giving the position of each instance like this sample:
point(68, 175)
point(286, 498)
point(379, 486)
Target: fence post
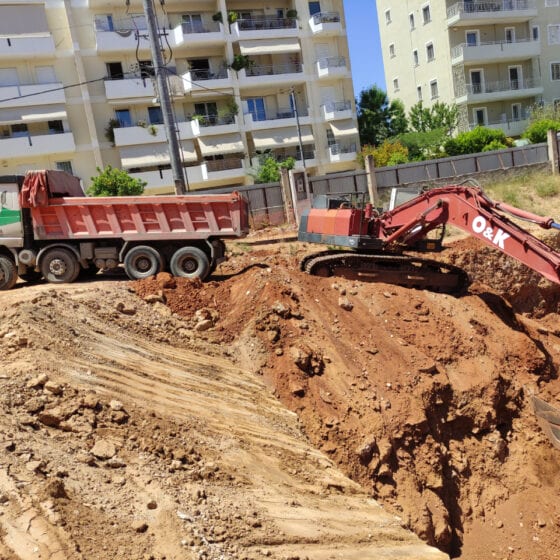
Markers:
point(371, 179)
point(287, 195)
point(552, 141)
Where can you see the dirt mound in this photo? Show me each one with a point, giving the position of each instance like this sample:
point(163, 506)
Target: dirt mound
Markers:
point(422, 398)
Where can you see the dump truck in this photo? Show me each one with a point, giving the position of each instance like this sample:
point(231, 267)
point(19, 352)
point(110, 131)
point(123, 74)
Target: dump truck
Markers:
point(49, 228)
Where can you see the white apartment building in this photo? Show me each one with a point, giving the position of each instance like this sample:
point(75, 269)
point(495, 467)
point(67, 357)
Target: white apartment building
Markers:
point(494, 59)
point(77, 89)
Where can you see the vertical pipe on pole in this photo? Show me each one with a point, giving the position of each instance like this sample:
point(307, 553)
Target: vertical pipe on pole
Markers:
point(165, 99)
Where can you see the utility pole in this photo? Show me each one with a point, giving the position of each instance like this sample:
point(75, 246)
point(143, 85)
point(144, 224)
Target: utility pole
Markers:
point(294, 105)
point(165, 99)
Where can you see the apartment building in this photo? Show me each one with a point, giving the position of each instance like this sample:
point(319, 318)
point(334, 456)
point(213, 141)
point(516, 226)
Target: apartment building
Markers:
point(246, 77)
point(494, 59)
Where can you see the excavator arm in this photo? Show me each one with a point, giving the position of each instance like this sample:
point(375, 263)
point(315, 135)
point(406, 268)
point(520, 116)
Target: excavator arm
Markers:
point(470, 210)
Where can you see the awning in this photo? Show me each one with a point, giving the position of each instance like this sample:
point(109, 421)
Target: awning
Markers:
point(269, 46)
point(148, 155)
point(41, 113)
point(282, 137)
point(344, 128)
point(224, 144)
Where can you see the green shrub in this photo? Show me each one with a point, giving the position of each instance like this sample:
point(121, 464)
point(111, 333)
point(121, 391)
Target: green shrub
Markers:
point(474, 141)
point(115, 182)
point(494, 145)
point(547, 189)
point(536, 132)
point(391, 152)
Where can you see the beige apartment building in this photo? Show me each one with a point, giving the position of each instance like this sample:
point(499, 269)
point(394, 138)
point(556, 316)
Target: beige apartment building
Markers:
point(494, 59)
point(77, 89)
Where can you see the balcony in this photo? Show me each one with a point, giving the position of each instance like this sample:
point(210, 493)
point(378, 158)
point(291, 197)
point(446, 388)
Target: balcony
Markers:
point(121, 40)
point(495, 51)
point(149, 134)
point(160, 181)
point(498, 91)
point(509, 127)
point(332, 67)
point(41, 145)
point(199, 81)
point(129, 89)
point(308, 154)
point(282, 137)
point(197, 35)
point(264, 27)
point(223, 169)
point(340, 152)
point(271, 74)
point(466, 14)
point(335, 110)
point(154, 155)
point(280, 119)
point(205, 125)
point(34, 94)
point(325, 24)
point(40, 45)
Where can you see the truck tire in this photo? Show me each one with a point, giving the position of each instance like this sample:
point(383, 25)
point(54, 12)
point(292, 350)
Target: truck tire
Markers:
point(189, 262)
point(142, 261)
point(8, 273)
point(59, 266)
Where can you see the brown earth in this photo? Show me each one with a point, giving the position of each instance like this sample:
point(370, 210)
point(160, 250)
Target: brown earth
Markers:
point(152, 419)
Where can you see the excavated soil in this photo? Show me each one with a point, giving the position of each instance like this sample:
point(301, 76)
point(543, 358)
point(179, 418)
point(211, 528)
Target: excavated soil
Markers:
point(124, 405)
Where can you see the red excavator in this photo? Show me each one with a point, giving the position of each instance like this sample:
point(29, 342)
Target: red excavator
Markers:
point(378, 240)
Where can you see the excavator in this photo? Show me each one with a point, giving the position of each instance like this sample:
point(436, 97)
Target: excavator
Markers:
point(370, 244)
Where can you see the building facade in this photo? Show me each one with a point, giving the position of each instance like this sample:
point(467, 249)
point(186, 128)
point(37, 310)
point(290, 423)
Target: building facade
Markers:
point(494, 59)
point(246, 78)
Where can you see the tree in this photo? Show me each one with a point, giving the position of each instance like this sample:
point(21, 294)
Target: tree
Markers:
point(439, 115)
point(115, 182)
point(268, 170)
point(377, 118)
point(390, 152)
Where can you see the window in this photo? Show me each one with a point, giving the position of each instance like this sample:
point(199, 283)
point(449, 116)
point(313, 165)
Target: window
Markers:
point(426, 16)
point(419, 93)
point(555, 71)
point(516, 112)
point(415, 57)
point(430, 52)
point(554, 34)
point(314, 8)
point(434, 89)
point(256, 108)
point(411, 21)
point(207, 110)
point(155, 115)
point(64, 166)
point(395, 84)
point(19, 130)
point(479, 116)
point(104, 22)
point(535, 32)
point(114, 70)
point(123, 116)
point(471, 38)
point(510, 34)
point(192, 23)
point(331, 140)
point(55, 127)
point(476, 81)
point(387, 17)
point(392, 50)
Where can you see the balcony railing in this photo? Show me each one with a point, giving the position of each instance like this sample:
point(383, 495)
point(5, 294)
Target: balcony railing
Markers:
point(214, 120)
point(336, 106)
point(273, 69)
point(201, 75)
point(125, 25)
point(199, 27)
point(326, 17)
point(511, 85)
point(331, 62)
point(482, 7)
point(337, 149)
point(224, 164)
point(257, 23)
point(459, 50)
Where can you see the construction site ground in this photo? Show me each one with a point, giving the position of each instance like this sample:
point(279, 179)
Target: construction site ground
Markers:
point(270, 414)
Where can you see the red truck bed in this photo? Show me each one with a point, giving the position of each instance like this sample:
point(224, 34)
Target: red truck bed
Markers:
point(142, 217)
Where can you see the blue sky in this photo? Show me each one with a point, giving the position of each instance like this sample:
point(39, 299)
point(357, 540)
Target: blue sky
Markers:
point(364, 45)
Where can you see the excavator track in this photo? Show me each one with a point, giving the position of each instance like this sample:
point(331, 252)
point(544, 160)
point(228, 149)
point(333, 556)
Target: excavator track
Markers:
point(403, 270)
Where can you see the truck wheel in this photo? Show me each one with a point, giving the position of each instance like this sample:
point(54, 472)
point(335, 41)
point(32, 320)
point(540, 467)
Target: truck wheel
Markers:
point(59, 266)
point(142, 261)
point(189, 262)
point(8, 273)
